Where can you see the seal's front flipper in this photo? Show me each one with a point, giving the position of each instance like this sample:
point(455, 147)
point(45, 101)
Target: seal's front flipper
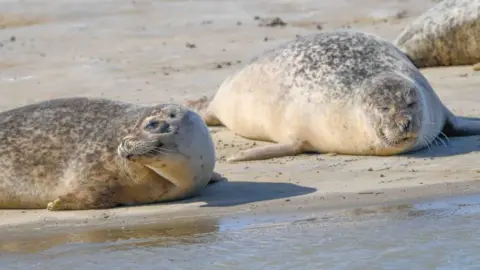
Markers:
point(86, 197)
point(269, 151)
point(457, 126)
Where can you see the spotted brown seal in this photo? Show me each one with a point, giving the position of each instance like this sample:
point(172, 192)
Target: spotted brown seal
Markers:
point(84, 153)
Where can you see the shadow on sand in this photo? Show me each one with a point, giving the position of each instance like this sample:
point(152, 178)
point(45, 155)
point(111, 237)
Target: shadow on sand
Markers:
point(226, 193)
point(451, 147)
point(440, 148)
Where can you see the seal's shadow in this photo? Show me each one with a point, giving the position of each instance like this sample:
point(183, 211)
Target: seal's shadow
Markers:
point(451, 147)
point(227, 193)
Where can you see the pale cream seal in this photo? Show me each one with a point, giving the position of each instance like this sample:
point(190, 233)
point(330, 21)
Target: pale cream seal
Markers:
point(344, 92)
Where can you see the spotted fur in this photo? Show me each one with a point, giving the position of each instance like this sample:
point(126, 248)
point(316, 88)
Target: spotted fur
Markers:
point(445, 35)
point(65, 153)
point(345, 92)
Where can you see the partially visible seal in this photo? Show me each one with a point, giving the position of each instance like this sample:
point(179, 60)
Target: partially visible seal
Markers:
point(476, 67)
point(343, 92)
point(448, 34)
point(83, 153)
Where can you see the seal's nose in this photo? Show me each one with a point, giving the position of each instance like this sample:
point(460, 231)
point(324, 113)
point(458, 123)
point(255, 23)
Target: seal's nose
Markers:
point(124, 154)
point(406, 125)
point(165, 127)
point(123, 150)
point(404, 122)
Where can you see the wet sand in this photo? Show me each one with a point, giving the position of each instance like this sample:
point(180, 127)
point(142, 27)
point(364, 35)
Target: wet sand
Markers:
point(377, 237)
point(159, 51)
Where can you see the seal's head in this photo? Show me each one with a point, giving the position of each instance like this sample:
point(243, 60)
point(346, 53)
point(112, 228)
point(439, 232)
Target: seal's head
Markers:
point(391, 104)
point(173, 141)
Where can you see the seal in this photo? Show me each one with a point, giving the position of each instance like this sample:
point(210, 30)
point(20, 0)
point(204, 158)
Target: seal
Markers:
point(448, 34)
point(86, 153)
point(476, 67)
point(344, 92)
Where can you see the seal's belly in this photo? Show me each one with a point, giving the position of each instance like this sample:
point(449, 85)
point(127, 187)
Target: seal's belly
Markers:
point(338, 130)
point(252, 117)
point(323, 126)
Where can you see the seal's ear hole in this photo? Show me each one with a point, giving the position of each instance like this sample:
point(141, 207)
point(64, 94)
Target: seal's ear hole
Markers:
point(172, 115)
point(411, 104)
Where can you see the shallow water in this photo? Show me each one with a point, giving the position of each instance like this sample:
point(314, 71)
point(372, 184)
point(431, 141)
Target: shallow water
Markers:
point(441, 234)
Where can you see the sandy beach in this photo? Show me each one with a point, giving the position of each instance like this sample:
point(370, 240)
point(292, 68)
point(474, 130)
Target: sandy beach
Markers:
point(166, 51)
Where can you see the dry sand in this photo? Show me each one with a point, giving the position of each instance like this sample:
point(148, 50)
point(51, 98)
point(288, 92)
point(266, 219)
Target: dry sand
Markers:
point(157, 51)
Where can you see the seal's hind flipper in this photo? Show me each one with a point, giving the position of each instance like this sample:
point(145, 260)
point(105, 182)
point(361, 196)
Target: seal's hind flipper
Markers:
point(266, 152)
point(200, 106)
point(457, 126)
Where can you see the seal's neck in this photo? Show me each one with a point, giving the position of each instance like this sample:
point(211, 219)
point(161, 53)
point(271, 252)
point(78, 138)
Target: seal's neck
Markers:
point(133, 173)
point(176, 172)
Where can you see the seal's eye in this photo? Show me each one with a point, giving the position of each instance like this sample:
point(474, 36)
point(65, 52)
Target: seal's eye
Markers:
point(152, 125)
point(411, 104)
point(384, 109)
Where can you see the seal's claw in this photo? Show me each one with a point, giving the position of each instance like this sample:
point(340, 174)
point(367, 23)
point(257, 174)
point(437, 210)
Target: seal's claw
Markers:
point(55, 205)
point(64, 203)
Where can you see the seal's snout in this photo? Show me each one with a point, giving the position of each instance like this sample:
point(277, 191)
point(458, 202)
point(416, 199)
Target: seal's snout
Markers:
point(124, 154)
point(124, 150)
point(404, 122)
point(405, 125)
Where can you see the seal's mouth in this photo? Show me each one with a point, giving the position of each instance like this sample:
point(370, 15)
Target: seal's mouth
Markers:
point(402, 141)
point(130, 153)
point(398, 140)
point(124, 154)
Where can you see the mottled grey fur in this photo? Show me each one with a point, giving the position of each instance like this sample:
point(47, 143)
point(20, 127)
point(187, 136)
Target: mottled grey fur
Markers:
point(65, 152)
point(447, 34)
point(339, 61)
point(345, 91)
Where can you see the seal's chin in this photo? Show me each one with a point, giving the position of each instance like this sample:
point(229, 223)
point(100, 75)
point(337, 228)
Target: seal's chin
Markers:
point(397, 139)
